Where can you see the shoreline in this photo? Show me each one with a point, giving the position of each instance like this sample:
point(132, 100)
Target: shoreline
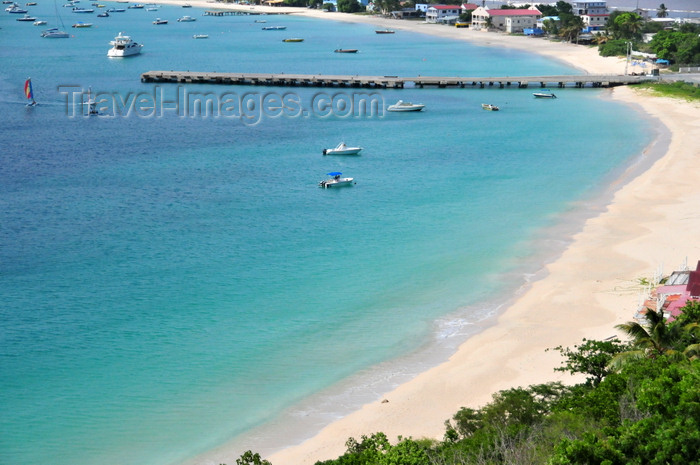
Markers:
point(583, 291)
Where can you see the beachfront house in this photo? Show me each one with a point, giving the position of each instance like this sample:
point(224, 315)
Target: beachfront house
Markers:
point(594, 14)
point(446, 14)
point(511, 21)
point(679, 288)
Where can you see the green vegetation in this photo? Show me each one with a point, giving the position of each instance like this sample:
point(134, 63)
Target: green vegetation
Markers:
point(678, 46)
point(639, 404)
point(681, 90)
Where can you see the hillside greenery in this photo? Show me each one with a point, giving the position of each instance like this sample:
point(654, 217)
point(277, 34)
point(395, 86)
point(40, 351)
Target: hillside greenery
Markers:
point(638, 404)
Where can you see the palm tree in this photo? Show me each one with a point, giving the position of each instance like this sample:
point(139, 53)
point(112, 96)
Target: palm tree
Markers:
point(656, 338)
point(662, 12)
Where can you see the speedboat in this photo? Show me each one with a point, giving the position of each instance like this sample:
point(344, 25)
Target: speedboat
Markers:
point(335, 180)
point(545, 94)
point(200, 36)
point(26, 18)
point(82, 24)
point(274, 28)
point(489, 107)
point(186, 19)
point(123, 46)
point(294, 39)
point(405, 106)
point(39, 22)
point(384, 31)
point(160, 21)
point(342, 149)
point(55, 33)
point(345, 50)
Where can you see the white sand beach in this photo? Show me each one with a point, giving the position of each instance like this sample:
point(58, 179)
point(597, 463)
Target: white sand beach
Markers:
point(651, 222)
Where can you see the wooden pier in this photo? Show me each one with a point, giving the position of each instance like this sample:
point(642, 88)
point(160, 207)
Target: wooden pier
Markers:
point(390, 82)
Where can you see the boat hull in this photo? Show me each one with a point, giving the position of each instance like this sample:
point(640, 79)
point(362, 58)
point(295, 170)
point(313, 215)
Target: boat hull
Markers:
point(342, 182)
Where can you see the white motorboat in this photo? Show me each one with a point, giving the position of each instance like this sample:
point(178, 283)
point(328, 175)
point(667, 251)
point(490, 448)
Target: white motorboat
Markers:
point(335, 180)
point(123, 46)
point(186, 19)
point(16, 10)
point(39, 22)
point(27, 18)
point(274, 28)
point(80, 24)
point(405, 106)
point(55, 33)
point(489, 107)
point(545, 94)
point(160, 21)
point(342, 149)
point(200, 36)
point(83, 10)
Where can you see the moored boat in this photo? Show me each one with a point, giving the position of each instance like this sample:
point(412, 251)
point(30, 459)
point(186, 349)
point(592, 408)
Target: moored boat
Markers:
point(83, 10)
point(274, 28)
point(16, 10)
point(489, 107)
point(200, 36)
point(405, 106)
point(345, 50)
point(160, 21)
point(81, 24)
point(27, 18)
point(55, 33)
point(342, 149)
point(186, 19)
point(335, 180)
point(384, 31)
point(39, 22)
point(293, 39)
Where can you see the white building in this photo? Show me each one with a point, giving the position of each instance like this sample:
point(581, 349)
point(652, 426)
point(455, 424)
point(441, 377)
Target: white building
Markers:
point(442, 13)
point(511, 21)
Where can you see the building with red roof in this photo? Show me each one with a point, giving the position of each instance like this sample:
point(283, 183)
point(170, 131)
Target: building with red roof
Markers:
point(442, 13)
point(508, 20)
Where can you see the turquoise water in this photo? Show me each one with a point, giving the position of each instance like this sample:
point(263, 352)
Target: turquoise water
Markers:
point(170, 283)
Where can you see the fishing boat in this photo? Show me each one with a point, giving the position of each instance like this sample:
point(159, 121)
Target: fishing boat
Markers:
point(544, 94)
point(335, 180)
point(186, 19)
point(81, 24)
point(160, 21)
point(123, 46)
point(29, 93)
point(384, 31)
point(27, 18)
point(293, 39)
point(342, 149)
point(345, 50)
point(405, 106)
point(489, 107)
point(200, 36)
point(274, 28)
